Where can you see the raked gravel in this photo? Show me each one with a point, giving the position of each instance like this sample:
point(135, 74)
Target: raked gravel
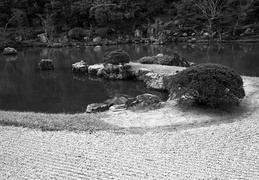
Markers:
point(226, 151)
point(223, 151)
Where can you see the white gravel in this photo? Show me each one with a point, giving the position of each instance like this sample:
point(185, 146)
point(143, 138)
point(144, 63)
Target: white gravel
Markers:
point(223, 151)
point(227, 151)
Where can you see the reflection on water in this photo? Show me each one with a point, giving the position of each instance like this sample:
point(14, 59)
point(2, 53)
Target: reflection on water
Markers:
point(24, 87)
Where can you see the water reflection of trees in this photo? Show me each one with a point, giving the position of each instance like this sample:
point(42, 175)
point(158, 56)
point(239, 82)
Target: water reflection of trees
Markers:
point(241, 57)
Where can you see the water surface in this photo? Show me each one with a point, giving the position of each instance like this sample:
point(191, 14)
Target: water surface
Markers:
point(23, 87)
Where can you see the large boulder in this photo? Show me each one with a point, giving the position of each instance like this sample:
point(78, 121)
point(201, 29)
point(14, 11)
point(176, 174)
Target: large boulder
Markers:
point(175, 59)
point(78, 33)
point(116, 72)
point(93, 69)
point(145, 101)
point(46, 64)
point(116, 57)
point(10, 51)
point(97, 107)
point(80, 67)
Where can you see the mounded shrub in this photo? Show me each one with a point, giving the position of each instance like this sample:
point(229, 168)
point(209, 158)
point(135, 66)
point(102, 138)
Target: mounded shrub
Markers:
point(116, 57)
point(207, 84)
point(175, 59)
point(78, 33)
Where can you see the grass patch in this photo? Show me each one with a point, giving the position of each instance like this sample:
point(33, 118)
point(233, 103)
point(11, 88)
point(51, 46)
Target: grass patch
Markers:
point(55, 122)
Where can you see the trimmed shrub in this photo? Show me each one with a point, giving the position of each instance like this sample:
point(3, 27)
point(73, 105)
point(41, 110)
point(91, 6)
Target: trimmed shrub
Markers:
point(173, 60)
point(116, 57)
point(207, 84)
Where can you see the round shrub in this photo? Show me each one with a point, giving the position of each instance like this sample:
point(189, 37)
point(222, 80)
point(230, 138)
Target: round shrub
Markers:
point(116, 57)
point(207, 84)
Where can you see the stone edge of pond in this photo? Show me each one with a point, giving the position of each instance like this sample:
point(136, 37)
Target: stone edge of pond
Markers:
point(151, 74)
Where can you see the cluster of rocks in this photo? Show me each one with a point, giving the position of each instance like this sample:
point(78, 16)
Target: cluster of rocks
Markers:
point(119, 103)
point(116, 66)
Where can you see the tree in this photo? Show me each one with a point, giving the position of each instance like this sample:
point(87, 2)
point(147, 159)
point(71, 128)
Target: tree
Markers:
point(47, 24)
point(104, 11)
point(81, 9)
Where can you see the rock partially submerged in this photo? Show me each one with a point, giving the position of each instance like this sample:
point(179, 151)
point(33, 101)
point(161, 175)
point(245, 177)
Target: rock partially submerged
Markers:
point(93, 69)
point(80, 67)
point(10, 51)
point(46, 64)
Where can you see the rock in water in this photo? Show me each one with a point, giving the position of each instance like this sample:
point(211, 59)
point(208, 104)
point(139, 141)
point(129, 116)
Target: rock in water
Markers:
point(80, 67)
point(97, 107)
point(10, 51)
point(93, 69)
point(46, 64)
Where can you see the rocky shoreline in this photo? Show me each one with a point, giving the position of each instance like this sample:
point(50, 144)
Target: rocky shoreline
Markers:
point(117, 66)
point(105, 42)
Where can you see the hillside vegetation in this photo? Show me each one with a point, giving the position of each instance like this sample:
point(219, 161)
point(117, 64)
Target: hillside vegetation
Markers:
point(120, 18)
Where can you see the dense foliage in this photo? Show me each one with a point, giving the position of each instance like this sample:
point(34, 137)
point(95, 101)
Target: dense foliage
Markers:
point(207, 84)
point(216, 17)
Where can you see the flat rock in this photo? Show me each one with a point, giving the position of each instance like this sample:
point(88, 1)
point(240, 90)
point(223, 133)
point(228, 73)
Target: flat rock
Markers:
point(93, 69)
point(97, 107)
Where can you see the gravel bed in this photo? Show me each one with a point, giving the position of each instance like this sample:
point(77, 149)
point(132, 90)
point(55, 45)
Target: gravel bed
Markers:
point(227, 151)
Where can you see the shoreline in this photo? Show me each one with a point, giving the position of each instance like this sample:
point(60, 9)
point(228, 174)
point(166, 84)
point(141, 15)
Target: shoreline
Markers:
point(37, 43)
point(168, 118)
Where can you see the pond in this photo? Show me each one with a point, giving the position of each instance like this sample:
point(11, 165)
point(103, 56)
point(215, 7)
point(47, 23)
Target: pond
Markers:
point(23, 87)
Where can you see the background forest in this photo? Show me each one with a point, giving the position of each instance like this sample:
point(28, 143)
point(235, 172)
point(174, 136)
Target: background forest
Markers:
point(108, 18)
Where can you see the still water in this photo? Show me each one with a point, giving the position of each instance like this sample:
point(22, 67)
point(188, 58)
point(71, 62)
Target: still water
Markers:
point(23, 87)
